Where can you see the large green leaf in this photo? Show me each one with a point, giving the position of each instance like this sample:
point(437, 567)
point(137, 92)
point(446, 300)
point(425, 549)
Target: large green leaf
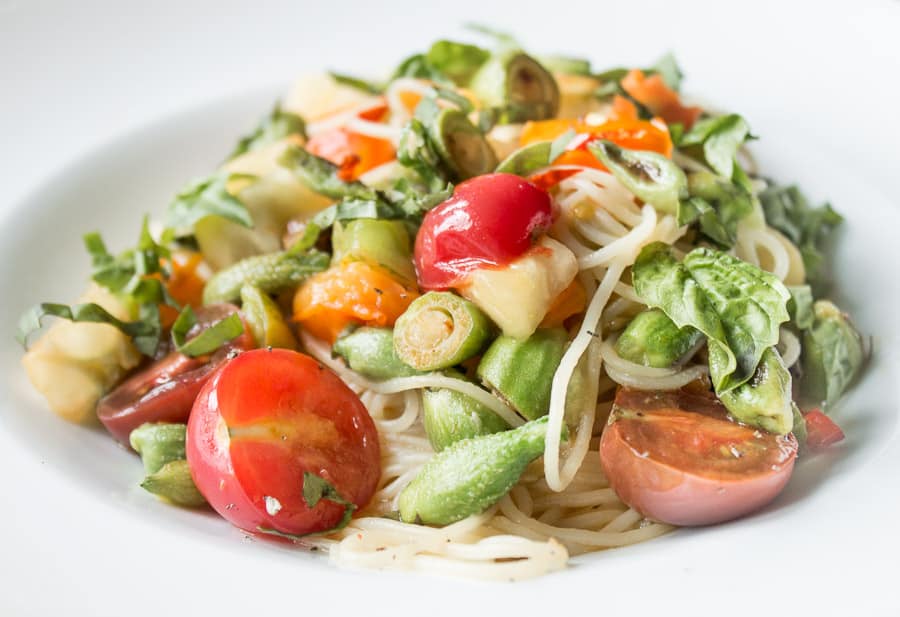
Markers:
point(735, 304)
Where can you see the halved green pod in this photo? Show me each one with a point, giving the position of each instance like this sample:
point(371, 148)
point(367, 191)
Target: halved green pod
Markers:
point(652, 339)
point(527, 159)
point(271, 273)
point(370, 352)
point(158, 443)
point(471, 475)
point(764, 401)
point(450, 416)
point(521, 371)
point(440, 330)
point(650, 176)
point(173, 482)
point(461, 145)
point(265, 319)
point(379, 242)
point(518, 84)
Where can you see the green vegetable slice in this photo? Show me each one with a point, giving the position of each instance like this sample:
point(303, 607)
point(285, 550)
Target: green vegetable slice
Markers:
point(718, 140)
point(650, 176)
point(519, 86)
point(765, 400)
point(832, 355)
point(652, 339)
point(370, 352)
point(277, 125)
point(270, 273)
point(717, 204)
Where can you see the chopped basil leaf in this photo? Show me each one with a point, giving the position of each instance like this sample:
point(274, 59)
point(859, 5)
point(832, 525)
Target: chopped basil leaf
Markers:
point(207, 197)
point(144, 332)
point(354, 209)
point(458, 61)
point(418, 67)
point(717, 204)
point(209, 339)
point(306, 241)
point(418, 153)
point(717, 140)
point(369, 87)
point(527, 159)
point(558, 145)
point(322, 176)
point(277, 125)
point(738, 306)
point(668, 69)
point(800, 306)
point(832, 355)
point(788, 211)
point(316, 488)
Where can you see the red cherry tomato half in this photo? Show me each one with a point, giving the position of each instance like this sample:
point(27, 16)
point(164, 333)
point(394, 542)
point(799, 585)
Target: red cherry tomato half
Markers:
point(263, 422)
point(821, 431)
point(676, 458)
point(489, 220)
point(165, 390)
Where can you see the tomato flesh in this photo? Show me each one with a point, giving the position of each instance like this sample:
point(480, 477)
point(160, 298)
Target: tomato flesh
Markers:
point(165, 390)
point(489, 221)
point(821, 431)
point(676, 457)
point(262, 422)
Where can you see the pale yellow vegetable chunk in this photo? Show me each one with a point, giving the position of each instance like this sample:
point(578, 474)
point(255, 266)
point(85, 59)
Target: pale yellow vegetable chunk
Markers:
point(312, 97)
point(518, 296)
point(73, 364)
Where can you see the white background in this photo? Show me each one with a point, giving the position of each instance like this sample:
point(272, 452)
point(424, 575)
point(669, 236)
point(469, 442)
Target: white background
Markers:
point(75, 75)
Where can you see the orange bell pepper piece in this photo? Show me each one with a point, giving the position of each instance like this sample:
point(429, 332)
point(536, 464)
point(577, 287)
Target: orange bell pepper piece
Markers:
point(350, 293)
point(571, 301)
point(659, 98)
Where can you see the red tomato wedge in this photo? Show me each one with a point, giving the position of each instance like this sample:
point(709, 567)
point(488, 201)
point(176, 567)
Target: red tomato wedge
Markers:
point(489, 220)
point(267, 421)
point(821, 431)
point(677, 458)
point(165, 390)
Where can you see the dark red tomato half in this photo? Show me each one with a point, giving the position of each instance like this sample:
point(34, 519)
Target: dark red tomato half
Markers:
point(489, 220)
point(677, 458)
point(165, 390)
point(265, 420)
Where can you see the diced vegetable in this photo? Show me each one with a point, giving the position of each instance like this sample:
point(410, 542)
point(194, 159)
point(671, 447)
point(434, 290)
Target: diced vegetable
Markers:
point(471, 475)
point(652, 339)
point(353, 153)
point(173, 482)
point(378, 242)
point(832, 355)
point(717, 204)
point(517, 84)
point(440, 330)
point(270, 273)
point(821, 430)
point(519, 296)
point(354, 293)
point(313, 97)
point(764, 401)
point(158, 444)
point(650, 176)
point(450, 416)
point(266, 322)
point(461, 145)
point(370, 352)
point(658, 97)
point(73, 364)
point(521, 371)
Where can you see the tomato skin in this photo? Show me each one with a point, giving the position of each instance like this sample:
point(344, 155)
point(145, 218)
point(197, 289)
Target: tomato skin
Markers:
point(165, 390)
point(489, 220)
point(264, 419)
point(671, 457)
point(821, 431)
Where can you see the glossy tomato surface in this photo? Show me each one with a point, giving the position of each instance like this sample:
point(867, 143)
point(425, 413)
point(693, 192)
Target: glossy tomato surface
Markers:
point(677, 458)
point(165, 390)
point(265, 419)
point(489, 220)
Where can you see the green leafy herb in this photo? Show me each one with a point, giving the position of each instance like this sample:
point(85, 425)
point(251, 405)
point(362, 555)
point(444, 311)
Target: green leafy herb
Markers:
point(800, 306)
point(458, 61)
point(667, 67)
point(717, 140)
point(738, 306)
point(788, 211)
point(354, 209)
point(209, 339)
point(418, 67)
point(322, 176)
point(207, 197)
point(316, 488)
point(832, 355)
point(144, 332)
point(369, 87)
point(527, 159)
point(277, 125)
point(417, 152)
point(558, 145)
point(717, 204)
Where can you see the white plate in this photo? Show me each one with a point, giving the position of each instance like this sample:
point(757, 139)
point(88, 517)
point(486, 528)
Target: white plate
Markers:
point(166, 89)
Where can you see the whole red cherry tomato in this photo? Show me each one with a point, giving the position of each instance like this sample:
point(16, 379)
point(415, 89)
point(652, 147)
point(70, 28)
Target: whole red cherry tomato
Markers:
point(278, 443)
point(489, 221)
